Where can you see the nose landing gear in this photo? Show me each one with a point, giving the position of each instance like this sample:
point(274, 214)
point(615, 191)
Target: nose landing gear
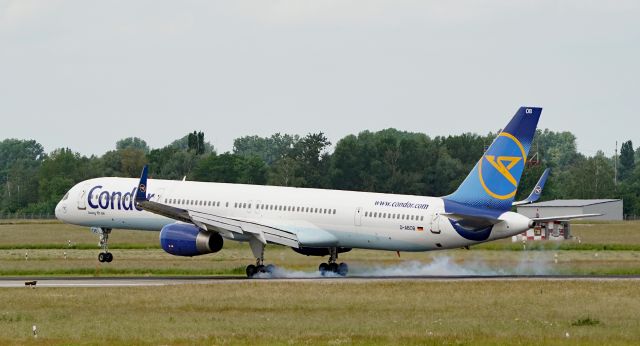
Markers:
point(105, 255)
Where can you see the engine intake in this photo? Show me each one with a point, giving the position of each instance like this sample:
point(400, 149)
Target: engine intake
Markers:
point(181, 239)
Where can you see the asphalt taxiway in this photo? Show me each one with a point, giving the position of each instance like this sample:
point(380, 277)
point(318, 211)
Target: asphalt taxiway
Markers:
point(134, 281)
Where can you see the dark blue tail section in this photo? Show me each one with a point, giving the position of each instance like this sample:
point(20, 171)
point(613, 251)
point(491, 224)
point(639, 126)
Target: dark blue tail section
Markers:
point(494, 180)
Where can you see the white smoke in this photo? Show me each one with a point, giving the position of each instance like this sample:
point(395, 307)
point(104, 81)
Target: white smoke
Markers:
point(529, 263)
point(440, 266)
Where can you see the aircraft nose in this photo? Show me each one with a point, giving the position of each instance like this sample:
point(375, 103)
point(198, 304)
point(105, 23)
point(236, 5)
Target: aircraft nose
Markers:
point(61, 210)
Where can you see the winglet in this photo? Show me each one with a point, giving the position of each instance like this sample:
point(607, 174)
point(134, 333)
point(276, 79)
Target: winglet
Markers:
point(537, 190)
point(141, 191)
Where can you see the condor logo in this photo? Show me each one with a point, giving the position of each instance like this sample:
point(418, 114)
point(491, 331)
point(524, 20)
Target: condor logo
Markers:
point(501, 167)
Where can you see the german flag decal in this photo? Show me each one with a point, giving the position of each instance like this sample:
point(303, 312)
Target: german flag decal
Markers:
point(420, 228)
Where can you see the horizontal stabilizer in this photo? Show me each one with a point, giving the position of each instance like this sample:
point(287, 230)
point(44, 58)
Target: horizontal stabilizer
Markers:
point(564, 217)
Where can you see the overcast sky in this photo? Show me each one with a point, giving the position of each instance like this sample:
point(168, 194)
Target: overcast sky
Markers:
point(83, 74)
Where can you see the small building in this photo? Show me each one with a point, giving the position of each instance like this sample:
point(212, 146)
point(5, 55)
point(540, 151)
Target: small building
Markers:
point(611, 209)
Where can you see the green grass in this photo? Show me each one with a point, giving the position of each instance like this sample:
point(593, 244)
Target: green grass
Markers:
point(138, 253)
point(328, 313)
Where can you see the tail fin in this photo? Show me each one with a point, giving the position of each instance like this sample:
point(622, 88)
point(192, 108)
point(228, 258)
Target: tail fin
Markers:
point(537, 190)
point(493, 182)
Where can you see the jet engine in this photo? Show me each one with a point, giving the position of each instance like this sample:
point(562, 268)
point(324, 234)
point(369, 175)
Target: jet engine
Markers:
point(181, 239)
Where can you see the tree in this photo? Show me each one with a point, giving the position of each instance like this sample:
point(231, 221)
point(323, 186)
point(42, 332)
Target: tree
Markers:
point(269, 149)
point(191, 141)
point(60, 170)
point(627, 160)
point(231, 168)
point(132, 143)
point(132, 161)
point(195, 141)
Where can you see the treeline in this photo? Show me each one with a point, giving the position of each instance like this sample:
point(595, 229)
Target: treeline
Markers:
point(390, 161)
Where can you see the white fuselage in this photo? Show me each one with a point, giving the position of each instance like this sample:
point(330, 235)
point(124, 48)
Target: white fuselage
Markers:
point(356, 219)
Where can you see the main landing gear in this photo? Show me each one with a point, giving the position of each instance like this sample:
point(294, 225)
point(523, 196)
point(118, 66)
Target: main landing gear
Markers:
point(257, 247)
point(333, 267)
point(105, 255)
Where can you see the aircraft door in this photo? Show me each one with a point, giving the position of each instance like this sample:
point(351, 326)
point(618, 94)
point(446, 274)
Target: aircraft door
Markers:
point(357, 217)
point(82, 197)
point(434, 227)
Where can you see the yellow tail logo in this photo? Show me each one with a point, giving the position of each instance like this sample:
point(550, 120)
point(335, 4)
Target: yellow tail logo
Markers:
point(505, 169)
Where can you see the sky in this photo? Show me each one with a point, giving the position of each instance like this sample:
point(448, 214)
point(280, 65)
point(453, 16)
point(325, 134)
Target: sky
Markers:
point(84, 74)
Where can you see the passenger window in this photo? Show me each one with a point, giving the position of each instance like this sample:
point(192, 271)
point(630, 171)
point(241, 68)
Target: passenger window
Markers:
point(366, 213)
point(334, 211)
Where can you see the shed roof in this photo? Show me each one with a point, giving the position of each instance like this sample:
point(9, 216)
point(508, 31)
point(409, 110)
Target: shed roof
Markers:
point(569, 203)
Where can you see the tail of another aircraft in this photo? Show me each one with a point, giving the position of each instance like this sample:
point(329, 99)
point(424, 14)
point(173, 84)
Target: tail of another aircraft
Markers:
point(494, 180)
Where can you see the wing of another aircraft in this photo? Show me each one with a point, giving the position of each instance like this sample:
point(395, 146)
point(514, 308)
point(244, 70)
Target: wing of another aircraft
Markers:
point(537, 190)
point(564, 217)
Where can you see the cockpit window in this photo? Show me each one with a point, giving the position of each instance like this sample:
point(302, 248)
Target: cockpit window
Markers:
point(65, 197)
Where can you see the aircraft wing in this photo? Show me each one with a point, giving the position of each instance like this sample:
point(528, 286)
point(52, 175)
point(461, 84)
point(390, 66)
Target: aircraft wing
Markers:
point(564, 217)
point(289, 233)
point(537, 190)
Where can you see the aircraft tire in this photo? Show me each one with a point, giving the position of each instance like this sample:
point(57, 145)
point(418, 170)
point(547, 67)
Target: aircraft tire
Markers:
point(101, 257)
point(343, 269)
point(251, 270)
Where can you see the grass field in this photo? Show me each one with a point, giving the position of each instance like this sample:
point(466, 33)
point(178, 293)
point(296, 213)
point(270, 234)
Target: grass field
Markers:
point(328, 313)
point(322, 312)
point(138, 253)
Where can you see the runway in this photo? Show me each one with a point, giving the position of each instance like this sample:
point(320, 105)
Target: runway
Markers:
point(136, 281)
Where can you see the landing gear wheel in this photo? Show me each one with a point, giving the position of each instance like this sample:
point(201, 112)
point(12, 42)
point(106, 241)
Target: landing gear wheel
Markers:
point(251, 270)
point(261, 269)
point(343, 269)
point(333, 267)
point(104, 256)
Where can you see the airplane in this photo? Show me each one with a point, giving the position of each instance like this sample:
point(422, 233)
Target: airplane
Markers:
point(537, 190)
point(195, 218)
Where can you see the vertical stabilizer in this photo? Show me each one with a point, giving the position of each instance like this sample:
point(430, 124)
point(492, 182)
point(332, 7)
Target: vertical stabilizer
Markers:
point(494, 180)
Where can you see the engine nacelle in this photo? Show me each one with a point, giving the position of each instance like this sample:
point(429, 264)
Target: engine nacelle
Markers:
point(181, 239)
point(318, 251)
